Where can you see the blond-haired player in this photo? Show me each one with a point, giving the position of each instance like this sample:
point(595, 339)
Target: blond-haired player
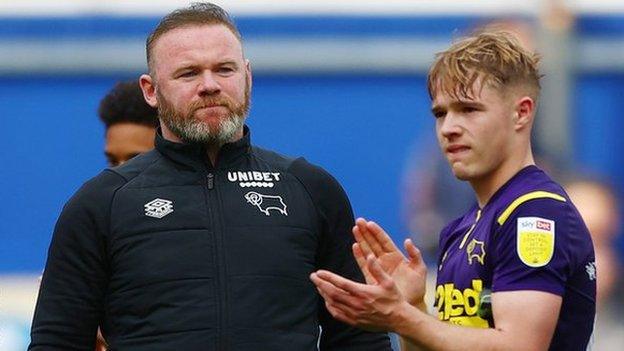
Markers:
point(517, 271)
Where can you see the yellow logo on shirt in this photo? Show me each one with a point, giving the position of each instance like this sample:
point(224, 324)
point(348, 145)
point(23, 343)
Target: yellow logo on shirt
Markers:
point(476, 250)
point(535, 241)
point(460, 307)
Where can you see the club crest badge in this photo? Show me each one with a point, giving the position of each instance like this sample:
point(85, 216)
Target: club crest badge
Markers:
point(158, 208)
point(476, 251)
point(266, 203)
point(535, 241)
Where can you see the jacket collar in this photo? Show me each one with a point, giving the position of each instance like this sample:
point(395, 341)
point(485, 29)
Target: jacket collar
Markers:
point(195, 155)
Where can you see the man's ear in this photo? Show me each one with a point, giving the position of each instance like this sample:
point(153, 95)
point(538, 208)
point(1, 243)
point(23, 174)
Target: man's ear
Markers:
point(248, 73)
point(524, 113)
point(148, 86)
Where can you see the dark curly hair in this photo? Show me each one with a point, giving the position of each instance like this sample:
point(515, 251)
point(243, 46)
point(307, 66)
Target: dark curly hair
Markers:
point(125, 103)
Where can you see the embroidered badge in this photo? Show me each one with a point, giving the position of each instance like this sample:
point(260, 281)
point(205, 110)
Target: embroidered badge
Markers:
point(476, 250)
point(535, 240)
point(158, 208)
point(265, 203)
point(590, 268)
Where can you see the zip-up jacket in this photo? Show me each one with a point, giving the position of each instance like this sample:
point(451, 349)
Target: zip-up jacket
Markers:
point(168, 252)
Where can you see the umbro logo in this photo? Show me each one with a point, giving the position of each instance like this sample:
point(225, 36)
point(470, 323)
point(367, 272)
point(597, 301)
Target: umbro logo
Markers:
point(158, 208)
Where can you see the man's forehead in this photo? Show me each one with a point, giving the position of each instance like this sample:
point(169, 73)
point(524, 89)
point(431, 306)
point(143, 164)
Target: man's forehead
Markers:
point(196, 35)
point(442, 97)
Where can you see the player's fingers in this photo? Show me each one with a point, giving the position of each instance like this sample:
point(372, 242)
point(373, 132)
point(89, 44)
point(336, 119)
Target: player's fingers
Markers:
point(378, 272)
point(381, 237)
point(357, 234)
point(413, 253)
point(347, 285)
point(360, 258)
point(327, 290)
point(336, 296)
point(369, 238)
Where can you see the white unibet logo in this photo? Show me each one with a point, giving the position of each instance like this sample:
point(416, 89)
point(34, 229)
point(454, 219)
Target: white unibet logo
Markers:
point(254, 178)
point(158, 208)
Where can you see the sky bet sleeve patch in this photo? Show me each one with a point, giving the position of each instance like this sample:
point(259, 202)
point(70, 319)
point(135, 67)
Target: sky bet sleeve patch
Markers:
point(535, 241)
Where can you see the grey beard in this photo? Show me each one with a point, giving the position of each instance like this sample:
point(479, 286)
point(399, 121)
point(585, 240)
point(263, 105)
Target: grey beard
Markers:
point(197, 132)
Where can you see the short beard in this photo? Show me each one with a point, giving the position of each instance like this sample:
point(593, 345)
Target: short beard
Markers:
point(193, 131)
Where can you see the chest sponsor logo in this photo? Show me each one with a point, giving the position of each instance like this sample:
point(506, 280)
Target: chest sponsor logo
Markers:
point(158, 208)
point(590, 268)
point(535, 241)
point(460, 307)
point(266, 203)
point(476, 251)
point(247, 179)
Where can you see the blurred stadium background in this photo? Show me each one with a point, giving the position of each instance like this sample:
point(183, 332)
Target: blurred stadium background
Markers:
point(339, 82)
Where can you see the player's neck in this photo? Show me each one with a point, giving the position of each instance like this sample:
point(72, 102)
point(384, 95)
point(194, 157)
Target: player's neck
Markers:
point(486, 186)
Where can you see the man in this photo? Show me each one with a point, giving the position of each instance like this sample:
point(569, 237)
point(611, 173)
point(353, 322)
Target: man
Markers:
point(129, 121)
point(205, 243)
point(519, 267)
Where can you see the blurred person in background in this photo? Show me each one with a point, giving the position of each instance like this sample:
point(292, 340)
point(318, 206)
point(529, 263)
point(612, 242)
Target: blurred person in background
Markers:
point(130, 128)
point(599, 207)
point(206, 242)
point(130, 123)
point(519, 266)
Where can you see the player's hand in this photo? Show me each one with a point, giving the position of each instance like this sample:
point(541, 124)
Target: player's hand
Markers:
point(377, 307)
point(408, 273)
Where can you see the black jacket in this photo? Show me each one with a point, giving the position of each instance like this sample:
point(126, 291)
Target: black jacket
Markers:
point(168, 252)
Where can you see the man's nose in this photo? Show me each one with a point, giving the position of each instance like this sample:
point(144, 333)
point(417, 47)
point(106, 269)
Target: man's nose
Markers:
point(450, 126)
point(208, 85)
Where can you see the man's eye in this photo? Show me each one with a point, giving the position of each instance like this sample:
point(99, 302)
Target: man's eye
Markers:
point(226, 70)
point(439, 114)
point(187, 74)
point(469, 109)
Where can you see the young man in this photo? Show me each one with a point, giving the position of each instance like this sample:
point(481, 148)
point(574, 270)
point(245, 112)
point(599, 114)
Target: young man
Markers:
point(129, 121)
point(519, 266)
point(206, 242)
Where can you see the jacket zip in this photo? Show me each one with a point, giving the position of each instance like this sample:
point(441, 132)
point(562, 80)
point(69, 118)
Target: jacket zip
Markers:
point(221, 281)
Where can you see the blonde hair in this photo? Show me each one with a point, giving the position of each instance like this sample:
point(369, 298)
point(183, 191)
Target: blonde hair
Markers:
point(495, 58)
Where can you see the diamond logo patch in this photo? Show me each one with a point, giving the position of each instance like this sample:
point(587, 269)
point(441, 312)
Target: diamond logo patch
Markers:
point(158, 208)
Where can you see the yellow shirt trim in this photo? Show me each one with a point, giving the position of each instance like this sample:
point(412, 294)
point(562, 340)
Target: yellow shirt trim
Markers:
point(524, 198)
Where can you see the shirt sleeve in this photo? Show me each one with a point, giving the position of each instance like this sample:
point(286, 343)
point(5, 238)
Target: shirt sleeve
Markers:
point(532, 248)
point(70, 302)
point(335, 255)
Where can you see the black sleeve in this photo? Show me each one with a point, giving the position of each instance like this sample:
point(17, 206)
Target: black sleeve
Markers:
point(70, 303)
point(335, 255)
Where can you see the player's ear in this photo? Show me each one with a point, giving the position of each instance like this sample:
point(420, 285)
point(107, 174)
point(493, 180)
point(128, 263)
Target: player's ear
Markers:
point(524, 111)
point(248, 75)
point(148, 86)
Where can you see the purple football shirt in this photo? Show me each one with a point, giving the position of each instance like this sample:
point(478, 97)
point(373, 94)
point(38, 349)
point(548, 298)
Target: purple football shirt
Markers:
point(529, 236)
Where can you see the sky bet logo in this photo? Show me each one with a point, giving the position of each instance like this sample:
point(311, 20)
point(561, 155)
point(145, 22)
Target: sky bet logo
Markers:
point(542, 225)
point(527, 223)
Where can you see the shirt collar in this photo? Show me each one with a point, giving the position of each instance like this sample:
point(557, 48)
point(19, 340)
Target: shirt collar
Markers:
point(195, 155)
